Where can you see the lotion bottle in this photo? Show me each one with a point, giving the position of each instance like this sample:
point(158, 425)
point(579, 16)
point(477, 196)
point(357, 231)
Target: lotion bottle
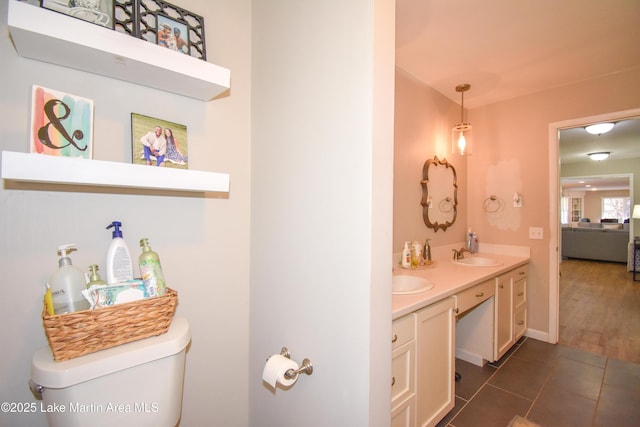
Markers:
point(119, 267)
point(406, 256)
point(151, 270)
point(67, 283)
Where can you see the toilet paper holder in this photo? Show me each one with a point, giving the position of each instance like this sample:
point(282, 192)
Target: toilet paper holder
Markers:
point(305, 368)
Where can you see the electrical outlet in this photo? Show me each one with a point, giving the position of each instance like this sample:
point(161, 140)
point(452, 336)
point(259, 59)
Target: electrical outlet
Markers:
point(535, 233)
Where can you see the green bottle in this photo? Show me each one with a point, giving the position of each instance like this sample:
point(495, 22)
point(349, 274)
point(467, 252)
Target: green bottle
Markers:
point(94, 277)
point(150, 270)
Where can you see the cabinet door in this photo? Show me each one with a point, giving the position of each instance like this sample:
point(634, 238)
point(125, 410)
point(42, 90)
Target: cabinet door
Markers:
point(504, 316)
point(435, 366)
point(405, 414)
point(402, 369)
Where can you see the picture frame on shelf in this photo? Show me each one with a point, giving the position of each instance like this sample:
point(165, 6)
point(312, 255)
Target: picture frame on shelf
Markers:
point(125, 17)
point(158, 142)
point(151, 14)
point(172, 34)
point(99, 12)
point(61, 124)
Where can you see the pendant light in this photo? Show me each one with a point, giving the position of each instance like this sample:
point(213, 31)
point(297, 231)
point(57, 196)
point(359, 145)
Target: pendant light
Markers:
point(461, 142)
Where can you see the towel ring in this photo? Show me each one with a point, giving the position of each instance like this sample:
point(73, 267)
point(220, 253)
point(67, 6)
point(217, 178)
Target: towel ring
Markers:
point(446, 205)
point(492, 204)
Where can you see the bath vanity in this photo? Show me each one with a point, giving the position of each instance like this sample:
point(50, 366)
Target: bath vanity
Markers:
point(475, 313)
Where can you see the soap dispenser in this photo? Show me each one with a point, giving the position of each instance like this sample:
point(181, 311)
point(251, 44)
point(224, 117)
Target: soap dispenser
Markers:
point(67, 283)
point(426, 252)
point(119, 267)
point(151, 270)
point(94, 277)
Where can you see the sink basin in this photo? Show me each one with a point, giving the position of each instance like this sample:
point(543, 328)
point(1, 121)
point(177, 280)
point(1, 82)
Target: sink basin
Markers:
point(477, 261)
point(404, 284)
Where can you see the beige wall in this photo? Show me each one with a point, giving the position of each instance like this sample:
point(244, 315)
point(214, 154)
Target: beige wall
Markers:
point(515, 134)
point(511, 154)
point(202, 241)
point(423, 122)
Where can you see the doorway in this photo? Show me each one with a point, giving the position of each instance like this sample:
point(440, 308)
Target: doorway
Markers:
point(555, 204)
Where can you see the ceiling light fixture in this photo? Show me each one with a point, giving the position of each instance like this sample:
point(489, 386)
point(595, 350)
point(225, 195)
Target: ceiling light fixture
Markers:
point(599, 156)
point(461, 142)
point(599, 128)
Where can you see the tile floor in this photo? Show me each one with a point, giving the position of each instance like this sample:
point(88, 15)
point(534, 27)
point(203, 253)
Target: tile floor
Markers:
point(552, 385)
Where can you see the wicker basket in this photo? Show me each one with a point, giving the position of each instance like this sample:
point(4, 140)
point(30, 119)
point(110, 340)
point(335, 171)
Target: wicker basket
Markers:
point(82, 332)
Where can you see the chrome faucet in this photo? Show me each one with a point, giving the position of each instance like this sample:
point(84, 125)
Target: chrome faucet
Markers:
point(460, 253)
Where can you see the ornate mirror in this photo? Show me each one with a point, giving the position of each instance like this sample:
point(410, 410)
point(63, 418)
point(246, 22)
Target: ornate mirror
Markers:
point(439, 194)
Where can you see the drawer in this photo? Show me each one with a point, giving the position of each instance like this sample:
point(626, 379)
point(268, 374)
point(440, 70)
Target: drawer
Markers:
point(520, 272)
point(402, 371)
point(519, 293)
point(471, 297)
point(404, 415)
point(402, 331)
point(520, 322)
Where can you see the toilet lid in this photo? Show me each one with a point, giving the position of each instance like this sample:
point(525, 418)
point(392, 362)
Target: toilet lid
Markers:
point(46, 372)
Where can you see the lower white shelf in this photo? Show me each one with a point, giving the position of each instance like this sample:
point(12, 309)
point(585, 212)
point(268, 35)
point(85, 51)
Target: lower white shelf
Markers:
point(27, 167)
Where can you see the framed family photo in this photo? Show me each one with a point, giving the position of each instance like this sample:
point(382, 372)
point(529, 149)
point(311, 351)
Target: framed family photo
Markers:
point(171, 26)
point(61, 124)
point(173, 34)
point(157, 142)
point(99, 12)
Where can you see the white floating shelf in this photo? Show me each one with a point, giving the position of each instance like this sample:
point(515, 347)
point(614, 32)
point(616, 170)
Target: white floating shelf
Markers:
point(27, 167)
point(59, 39)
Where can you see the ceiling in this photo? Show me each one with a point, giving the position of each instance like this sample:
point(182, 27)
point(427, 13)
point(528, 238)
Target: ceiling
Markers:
point(510, 48)
point(507, 48)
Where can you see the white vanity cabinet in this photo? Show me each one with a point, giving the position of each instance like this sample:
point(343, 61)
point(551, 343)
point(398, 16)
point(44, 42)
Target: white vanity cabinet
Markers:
point(435, 362)
point(511, 309)
point(475, 322)
point(423, 366)
point(403, 381)
point(519, 302)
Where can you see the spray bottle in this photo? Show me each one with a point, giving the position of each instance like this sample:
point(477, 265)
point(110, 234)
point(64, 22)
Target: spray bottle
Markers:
point(67, 283)
point(119, 267)
point(150, 270)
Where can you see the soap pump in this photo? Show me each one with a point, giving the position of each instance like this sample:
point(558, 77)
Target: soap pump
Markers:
point(426, 252)
point(94, 277)
point(119, 267)
point(67, 283)
point(151, 270)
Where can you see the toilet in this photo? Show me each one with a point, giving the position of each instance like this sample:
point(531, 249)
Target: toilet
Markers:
point(135, 384)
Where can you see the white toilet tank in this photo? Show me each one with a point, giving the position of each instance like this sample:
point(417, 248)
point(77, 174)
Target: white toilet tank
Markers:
point(135, 384)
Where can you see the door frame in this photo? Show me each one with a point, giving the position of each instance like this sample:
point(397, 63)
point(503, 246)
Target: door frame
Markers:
point(554, 207)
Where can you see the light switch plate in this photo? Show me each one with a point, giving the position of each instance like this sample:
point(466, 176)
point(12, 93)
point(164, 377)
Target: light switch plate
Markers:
point(535, 233)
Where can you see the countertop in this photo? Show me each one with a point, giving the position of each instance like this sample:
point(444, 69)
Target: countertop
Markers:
point(449, 278)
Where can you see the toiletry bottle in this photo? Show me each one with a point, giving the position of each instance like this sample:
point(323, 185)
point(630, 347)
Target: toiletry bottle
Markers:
point(94, 277)
point(426, 252)
point(48, 301)
point(67, 283)
point(119, 267)
point(469, 240)
point(151, 270)
point(416, 254)
point(474, 243)
point(406, 256)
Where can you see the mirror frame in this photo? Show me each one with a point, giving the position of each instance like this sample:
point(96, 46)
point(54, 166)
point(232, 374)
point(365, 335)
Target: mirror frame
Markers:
point(435, 162)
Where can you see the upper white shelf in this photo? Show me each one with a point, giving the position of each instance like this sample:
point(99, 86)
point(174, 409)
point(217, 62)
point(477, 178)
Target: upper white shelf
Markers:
point(27, 167)
point(59, 39)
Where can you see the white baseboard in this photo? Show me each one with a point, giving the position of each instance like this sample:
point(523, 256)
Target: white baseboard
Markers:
point(538, 335)
point(472, 358)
